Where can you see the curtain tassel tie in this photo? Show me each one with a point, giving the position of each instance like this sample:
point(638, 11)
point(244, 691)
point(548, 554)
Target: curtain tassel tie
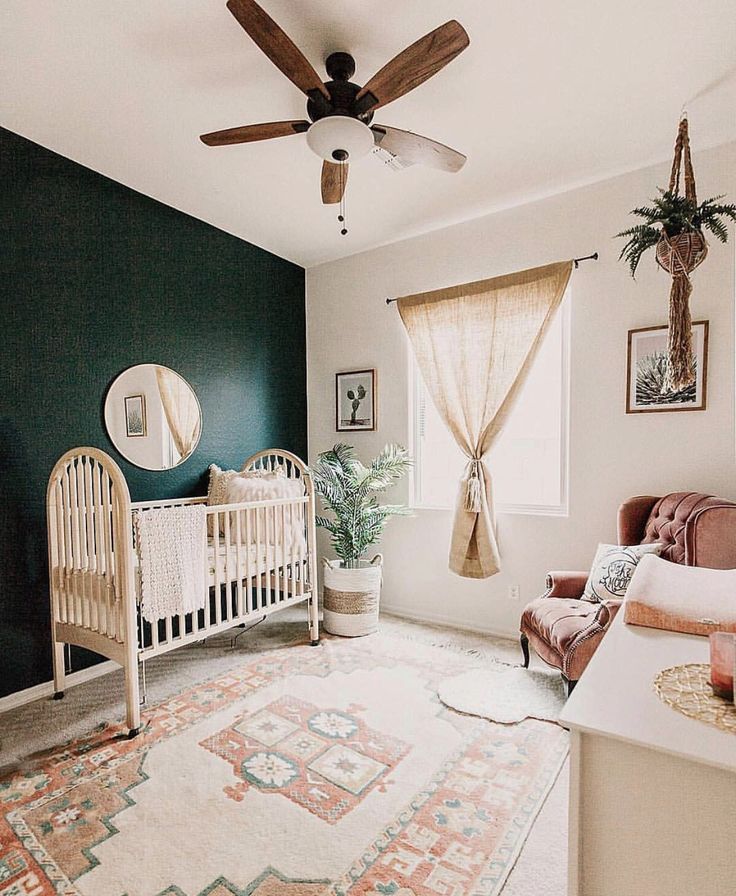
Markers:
point(473, 488)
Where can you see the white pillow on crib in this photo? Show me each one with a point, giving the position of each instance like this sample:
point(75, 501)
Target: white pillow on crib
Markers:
point(247, 487)
point(216, 491)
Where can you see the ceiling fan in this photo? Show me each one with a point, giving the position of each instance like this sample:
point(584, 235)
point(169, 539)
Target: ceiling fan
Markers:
point(340, 113)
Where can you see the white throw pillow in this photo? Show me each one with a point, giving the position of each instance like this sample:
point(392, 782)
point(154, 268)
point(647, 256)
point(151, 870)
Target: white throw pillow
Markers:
point(680, 598)
point(276, 525)
point(612, 569)
point(218, 486)
point(216, 491)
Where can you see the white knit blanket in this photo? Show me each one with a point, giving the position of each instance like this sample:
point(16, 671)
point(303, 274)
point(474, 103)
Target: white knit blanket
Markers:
point(172, 550)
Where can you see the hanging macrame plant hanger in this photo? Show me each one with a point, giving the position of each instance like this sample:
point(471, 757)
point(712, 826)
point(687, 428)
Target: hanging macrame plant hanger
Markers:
point(679, 255)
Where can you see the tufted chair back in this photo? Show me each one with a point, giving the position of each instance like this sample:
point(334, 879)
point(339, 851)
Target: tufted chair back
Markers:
point(696, 529)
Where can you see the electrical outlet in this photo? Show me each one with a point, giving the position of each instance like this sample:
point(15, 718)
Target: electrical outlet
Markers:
point(513, 592)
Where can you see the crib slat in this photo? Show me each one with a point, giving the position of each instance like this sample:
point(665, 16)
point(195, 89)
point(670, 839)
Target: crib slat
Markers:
point(86, 525)
point(273, 566)
point(110, 629)
point(291, 549)
point(57, 556)
point(300, 548)
point(228, 564)
point(250, 550)
point(99, 548)
point(79, 559)
point(218, 568)
point(267, 564)
point(256, 591)
point(120, 574)
point(89, 520)
point(62, 522)
point(68, 547)
point(283, 569)
point(84, 557)
point(211, 519)
point(239, 560)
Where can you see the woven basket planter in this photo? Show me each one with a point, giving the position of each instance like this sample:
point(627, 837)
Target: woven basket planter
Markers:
point(351, 597)
point(681, 254)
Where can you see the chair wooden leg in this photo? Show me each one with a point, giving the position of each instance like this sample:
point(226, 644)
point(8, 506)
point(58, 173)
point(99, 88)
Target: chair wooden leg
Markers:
point(524, 642)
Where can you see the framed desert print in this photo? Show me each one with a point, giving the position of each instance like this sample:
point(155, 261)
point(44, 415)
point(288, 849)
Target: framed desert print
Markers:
point(135, 415)
point(647, 367)
point(355, 401)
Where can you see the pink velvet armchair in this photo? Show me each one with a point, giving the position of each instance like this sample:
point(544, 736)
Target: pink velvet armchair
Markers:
point(697, 530)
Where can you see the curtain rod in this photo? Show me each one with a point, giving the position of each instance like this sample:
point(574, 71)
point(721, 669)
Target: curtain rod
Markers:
point(576, 262)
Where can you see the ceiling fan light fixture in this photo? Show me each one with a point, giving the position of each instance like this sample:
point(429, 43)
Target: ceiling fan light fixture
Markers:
point(339, 138)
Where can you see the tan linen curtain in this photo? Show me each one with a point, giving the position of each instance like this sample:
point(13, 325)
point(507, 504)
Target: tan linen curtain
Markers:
point(181, 408)
point(475, 345)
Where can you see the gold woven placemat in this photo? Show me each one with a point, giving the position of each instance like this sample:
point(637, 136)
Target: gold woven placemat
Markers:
point(687, 689)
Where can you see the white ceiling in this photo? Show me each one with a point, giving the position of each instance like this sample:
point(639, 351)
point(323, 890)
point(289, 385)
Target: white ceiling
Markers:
point(549, 95)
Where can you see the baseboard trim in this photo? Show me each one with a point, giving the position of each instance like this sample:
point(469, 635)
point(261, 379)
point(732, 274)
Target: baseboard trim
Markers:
point(447, 622)
point(39, 691)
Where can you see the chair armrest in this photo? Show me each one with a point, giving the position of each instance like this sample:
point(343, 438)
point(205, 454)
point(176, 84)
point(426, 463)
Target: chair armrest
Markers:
point(566, 584)
point(607, 612)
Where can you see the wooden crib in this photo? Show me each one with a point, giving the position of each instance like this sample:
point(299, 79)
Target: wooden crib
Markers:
point(254, 565)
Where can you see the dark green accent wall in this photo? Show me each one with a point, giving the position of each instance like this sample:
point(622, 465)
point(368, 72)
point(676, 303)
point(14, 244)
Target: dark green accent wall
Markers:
point(96, 277)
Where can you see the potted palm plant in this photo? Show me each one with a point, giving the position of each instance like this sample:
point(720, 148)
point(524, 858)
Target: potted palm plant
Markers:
point(352, 585)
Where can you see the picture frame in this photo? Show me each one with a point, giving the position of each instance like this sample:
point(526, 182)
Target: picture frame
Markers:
point(135, 416)
point(356, 401)
point(645, 369)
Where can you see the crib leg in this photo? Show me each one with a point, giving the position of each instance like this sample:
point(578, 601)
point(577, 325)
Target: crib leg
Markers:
point(59, 671)
point(313, 621)
point(132, 698)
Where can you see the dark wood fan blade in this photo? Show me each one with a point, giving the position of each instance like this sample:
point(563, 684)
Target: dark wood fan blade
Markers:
point(249, 133)
point(278, 46)
point(334, 180)
point(413, 66)
point(413, 149)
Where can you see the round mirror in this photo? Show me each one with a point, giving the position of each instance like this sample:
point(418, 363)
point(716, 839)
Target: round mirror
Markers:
point(153, 417)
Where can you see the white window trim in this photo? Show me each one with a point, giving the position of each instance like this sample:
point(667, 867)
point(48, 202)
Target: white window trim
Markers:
point(559, 510)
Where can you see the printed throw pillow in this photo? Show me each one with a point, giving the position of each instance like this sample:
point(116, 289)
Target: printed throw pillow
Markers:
point(612, 569)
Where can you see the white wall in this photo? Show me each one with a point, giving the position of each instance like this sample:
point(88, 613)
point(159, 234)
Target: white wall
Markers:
point(612, 456)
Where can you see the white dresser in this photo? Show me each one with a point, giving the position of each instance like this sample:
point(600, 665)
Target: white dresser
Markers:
point(652, 793)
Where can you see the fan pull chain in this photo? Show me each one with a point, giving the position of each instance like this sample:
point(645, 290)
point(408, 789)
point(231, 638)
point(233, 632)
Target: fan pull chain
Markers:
point(342, 217)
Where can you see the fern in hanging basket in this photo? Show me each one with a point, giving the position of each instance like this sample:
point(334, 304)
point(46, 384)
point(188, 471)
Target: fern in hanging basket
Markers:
point(675, 225)
point(348, 489)
point(674, 222)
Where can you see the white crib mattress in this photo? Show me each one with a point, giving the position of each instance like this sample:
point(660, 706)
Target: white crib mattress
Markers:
point(268, 560)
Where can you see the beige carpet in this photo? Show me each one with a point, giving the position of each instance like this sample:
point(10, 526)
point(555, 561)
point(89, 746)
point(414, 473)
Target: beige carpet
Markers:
point(540, 869)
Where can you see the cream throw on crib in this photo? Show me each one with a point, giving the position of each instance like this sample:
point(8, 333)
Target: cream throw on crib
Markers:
point(172, 546)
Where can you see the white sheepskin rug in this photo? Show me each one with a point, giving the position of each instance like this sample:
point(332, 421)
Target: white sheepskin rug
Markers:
point(505, 694)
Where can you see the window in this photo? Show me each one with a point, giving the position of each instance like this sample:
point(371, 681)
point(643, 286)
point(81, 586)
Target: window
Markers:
point(528, 463)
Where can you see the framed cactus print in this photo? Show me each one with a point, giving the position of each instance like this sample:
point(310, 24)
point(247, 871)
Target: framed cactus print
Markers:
point(355, 401)
point(646, 386)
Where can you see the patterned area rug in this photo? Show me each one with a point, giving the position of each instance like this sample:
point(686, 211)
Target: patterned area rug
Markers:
point(329, 771)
